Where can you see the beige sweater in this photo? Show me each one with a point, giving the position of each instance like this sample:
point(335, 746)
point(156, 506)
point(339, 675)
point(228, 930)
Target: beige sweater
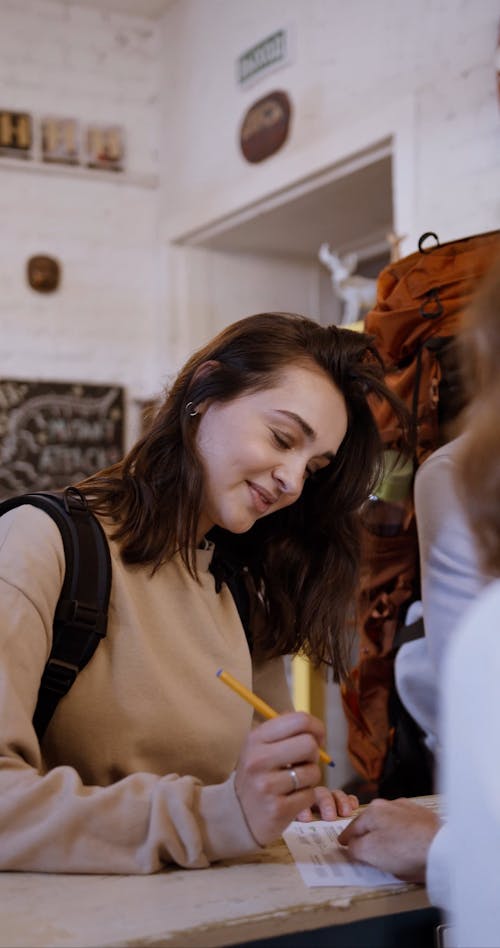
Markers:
point(136, 767)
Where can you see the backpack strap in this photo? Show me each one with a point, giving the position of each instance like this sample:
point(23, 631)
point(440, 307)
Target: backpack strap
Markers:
point(227, 571)
point(80, 618)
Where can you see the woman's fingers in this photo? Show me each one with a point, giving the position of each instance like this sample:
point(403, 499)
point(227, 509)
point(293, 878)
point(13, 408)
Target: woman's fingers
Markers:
point(277, 771)
point(330, 804)
point(300, 777)
point(285, 741)
point(278, 775)
point(289, 725)
point(345, 803)
point(301, 749)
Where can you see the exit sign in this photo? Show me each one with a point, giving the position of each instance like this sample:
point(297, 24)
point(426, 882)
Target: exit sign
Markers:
point(260, 59)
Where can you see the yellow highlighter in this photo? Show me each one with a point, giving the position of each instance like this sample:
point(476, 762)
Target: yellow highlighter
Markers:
point(264, 709)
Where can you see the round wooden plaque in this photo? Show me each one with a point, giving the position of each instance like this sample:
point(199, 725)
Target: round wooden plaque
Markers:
point(265, 127)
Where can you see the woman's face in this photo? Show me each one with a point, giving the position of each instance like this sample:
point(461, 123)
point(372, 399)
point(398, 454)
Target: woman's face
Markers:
point(258, 449)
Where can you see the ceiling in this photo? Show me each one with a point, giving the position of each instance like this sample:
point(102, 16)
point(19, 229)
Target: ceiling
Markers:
point(151, 9)
point(351, 212)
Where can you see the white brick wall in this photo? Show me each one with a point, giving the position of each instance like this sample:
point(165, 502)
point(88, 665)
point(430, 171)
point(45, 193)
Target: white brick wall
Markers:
point(130, 307)
point(100, 325)
point(429, 63)
point(421, 73)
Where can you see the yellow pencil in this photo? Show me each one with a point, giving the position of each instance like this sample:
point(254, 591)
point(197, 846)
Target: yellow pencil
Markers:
point(261, 706)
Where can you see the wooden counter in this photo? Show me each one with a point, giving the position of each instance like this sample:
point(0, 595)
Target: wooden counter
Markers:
point(260, 897)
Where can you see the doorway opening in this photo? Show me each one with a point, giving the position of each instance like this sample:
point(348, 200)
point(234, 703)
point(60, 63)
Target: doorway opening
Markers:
point(348, 205)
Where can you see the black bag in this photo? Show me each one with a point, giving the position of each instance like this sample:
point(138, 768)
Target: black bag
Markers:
point(81, 614)
point(408, 769)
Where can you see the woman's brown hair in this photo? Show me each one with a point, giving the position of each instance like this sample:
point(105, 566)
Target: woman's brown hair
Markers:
point(479, 461)
point(303, 560)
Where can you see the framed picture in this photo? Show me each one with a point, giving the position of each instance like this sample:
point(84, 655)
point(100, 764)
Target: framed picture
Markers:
point(60, 141)
point(16, 136)
point(105, 147)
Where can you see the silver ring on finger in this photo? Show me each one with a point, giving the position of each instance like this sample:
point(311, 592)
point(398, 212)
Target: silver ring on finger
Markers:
point(295, 779)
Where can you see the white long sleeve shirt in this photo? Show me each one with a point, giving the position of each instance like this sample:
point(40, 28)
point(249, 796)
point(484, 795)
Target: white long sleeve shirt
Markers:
point(450, 581)
point(464, 860)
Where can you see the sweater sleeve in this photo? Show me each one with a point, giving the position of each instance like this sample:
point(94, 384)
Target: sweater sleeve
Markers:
point(49, 820)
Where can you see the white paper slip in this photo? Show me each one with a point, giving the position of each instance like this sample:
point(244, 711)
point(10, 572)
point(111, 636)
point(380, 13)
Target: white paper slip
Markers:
point(321, 860)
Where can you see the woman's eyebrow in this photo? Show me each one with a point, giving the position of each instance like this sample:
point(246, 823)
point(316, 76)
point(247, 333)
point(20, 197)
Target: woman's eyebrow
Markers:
point(306, 428)
point(308, 431)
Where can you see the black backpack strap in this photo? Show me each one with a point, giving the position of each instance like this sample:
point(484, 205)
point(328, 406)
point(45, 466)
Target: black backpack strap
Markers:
point(239, 591)
point(232, 574)
point(80, 618)
point(408, 769)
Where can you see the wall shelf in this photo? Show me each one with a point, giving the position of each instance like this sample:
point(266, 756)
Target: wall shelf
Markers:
point(149, 181)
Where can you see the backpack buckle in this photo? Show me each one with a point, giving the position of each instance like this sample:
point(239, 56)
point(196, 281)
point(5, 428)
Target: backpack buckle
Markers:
point(432, 307)
point(59, 676)
point(74, 500)
point(81, 616)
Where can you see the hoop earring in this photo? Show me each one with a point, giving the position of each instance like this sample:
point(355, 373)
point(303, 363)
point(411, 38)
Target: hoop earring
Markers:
point(193, 412)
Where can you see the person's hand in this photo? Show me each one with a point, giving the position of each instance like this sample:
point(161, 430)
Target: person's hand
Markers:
point(329, 805)
point(278, 771)
point(393, 835)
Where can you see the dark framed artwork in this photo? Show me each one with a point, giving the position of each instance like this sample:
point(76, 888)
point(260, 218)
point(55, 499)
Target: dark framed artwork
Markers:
point(56, 433)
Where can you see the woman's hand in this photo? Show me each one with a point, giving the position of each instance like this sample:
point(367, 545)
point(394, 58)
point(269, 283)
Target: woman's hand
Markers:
point(278, 773)
point(393, 835)
point(329, 805)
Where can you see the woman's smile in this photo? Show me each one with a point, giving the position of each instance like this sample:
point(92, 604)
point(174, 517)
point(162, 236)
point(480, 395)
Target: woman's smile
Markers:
point(262, 500)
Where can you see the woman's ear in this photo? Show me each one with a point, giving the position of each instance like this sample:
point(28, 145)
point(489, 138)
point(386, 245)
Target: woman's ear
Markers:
point(206, 368)
point(200, 375)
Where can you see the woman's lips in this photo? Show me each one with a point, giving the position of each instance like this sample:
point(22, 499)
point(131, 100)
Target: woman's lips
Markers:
point(261, 499)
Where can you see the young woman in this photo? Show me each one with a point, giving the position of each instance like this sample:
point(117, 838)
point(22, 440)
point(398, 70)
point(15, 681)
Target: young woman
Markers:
point(256, 465)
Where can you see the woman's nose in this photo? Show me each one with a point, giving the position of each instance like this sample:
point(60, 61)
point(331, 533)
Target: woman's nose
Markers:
point(290, 478)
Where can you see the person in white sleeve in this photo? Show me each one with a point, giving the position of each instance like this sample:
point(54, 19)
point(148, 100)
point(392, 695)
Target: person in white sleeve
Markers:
point(460, 860)
point(451, 578)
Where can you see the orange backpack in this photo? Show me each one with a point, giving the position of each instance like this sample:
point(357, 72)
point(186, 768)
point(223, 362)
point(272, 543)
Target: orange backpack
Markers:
point(415, 321)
